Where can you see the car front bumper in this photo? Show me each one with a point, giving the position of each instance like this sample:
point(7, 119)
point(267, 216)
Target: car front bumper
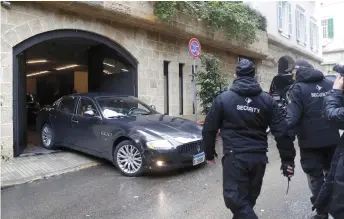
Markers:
point(169, 160)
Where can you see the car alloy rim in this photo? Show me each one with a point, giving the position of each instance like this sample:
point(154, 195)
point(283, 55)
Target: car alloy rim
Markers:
point(46, 136)
point(129, 159)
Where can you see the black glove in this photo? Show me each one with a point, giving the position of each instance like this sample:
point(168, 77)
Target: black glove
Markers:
point(212, 156)
point(287, 169)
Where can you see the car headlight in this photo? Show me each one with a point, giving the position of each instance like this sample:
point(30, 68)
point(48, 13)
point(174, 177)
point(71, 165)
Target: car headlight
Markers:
point(160, 145)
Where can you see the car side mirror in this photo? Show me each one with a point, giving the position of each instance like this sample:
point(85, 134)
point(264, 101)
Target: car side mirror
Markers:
point(89, 113)
point(153, 107)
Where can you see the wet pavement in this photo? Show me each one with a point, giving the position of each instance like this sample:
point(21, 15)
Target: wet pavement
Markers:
point(196, 193)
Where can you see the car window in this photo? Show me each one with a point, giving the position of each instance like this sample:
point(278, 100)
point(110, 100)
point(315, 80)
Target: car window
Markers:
point(85, 105)
point(67, 104)
point(122, 106)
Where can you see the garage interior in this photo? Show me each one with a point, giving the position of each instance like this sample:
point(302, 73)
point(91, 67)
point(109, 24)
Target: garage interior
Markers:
point(63, 66)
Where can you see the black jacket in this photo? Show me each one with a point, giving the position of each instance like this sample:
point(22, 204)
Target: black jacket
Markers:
point(332, 192)
point(304, 111)
point(243, 114)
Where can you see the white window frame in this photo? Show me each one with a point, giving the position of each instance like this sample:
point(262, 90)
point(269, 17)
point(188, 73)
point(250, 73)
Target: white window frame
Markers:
point(284, 18)
point(301, 26)
point(324, 24)
point(314, 35)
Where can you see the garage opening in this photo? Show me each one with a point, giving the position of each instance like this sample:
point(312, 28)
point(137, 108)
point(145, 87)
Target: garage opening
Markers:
point(53, 64)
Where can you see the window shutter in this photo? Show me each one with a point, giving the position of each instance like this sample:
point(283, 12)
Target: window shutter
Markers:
point(289, 20)
point(304, 29)
point(317, 37)
point(280, 15)
point(297, 24)
point(311, 35)
point(330, 28)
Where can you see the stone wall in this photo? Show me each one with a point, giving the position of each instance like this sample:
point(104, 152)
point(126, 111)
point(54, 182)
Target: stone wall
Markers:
point(25, 20)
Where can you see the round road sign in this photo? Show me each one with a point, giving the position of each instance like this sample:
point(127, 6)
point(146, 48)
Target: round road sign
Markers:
point(194, 48)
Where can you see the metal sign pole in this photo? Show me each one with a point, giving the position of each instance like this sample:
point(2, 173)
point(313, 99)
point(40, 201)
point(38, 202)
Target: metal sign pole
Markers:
point(195, 89)
point(194, 51)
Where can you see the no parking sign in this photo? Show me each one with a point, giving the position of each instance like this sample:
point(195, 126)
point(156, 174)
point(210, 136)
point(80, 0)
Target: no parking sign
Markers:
point(194, 48)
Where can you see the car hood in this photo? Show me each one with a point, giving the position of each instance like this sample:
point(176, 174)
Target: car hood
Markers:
point(157, 126)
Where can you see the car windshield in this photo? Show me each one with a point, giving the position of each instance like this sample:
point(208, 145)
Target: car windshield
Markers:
point(113, 107)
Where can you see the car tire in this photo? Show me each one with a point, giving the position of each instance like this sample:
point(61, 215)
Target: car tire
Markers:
point(126, 151)
point(47, 137)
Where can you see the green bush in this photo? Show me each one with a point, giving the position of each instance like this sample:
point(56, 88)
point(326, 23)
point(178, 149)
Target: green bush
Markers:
point(235, 19)
point(211, 81)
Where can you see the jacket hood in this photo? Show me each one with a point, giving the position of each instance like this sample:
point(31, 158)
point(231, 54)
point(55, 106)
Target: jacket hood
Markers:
point(308, 75)
point(246, 86)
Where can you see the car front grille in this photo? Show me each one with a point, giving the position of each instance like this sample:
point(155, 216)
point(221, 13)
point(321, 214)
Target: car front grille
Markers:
point(191, 148)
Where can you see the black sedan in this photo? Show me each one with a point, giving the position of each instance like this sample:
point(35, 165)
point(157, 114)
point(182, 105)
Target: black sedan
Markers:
point(122, 129)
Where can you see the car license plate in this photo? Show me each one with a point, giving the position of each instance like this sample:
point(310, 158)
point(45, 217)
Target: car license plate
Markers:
point(198, 158)
point(276, 97)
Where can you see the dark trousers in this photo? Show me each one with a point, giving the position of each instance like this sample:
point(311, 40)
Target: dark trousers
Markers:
point(242, 182)
point(316, 163)
point(337, 203)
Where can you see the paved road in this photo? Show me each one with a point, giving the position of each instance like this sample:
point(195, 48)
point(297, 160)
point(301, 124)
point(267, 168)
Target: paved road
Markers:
point(101, 192)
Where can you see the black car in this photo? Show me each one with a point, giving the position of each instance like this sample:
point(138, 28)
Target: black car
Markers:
point(32, 107)
point(122, 129)
point(331, 77)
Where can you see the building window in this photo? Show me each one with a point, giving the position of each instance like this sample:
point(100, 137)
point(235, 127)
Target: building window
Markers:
point(245, 57)
point(284, 18)
point(181, 89)
point(314, 35)
point(327, 28)
point(301, 33)
point(166, 89)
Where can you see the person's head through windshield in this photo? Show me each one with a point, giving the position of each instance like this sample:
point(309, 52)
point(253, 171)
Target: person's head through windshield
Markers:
point(298, 64)
point(245, 68)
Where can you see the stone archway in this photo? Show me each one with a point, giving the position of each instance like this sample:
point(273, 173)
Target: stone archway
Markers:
point(284, 63)
point(19, 80)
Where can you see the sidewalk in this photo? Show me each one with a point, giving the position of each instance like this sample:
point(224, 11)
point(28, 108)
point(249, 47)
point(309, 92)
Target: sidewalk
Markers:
point(26, 169)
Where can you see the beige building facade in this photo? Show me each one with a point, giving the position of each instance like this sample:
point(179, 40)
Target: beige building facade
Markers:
point(133, 27)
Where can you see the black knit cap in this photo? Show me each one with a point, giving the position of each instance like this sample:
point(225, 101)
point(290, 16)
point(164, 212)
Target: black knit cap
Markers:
point(245, 68)
point(298, 64)
point(339, 68)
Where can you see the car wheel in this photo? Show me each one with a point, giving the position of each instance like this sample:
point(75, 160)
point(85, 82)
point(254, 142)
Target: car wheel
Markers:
point(128, 158)
point(47, 137)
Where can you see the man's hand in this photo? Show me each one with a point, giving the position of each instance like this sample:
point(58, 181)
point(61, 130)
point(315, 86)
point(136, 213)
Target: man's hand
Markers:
point(211, 161)
point(338, 83)
point(287, 170)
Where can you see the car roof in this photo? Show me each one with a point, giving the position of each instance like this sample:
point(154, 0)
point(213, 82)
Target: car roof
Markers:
point(97, 94)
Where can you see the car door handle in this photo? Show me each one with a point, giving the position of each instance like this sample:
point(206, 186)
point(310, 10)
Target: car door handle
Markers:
point(75, 121)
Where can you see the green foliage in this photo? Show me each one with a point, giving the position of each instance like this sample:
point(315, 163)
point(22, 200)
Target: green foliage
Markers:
point(236, 19)
point(210, 81)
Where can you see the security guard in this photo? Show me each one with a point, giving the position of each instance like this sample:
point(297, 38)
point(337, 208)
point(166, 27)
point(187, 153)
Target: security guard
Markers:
point(316, 137)
point(331, 196)
point(243, 113)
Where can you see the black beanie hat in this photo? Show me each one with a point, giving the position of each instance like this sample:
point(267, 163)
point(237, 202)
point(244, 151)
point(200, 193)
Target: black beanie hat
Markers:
point(245, 68)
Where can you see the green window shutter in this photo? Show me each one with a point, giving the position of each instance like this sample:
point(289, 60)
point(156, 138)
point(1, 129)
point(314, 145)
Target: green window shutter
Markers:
point(330, 27)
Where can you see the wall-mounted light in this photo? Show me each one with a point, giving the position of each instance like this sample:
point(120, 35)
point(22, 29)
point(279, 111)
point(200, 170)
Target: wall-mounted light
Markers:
point(36, 61)
point(37, 73)
point(6, 4)
point(125, 70)
point(107, 72)
point(105, 63)
point(66, 67)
